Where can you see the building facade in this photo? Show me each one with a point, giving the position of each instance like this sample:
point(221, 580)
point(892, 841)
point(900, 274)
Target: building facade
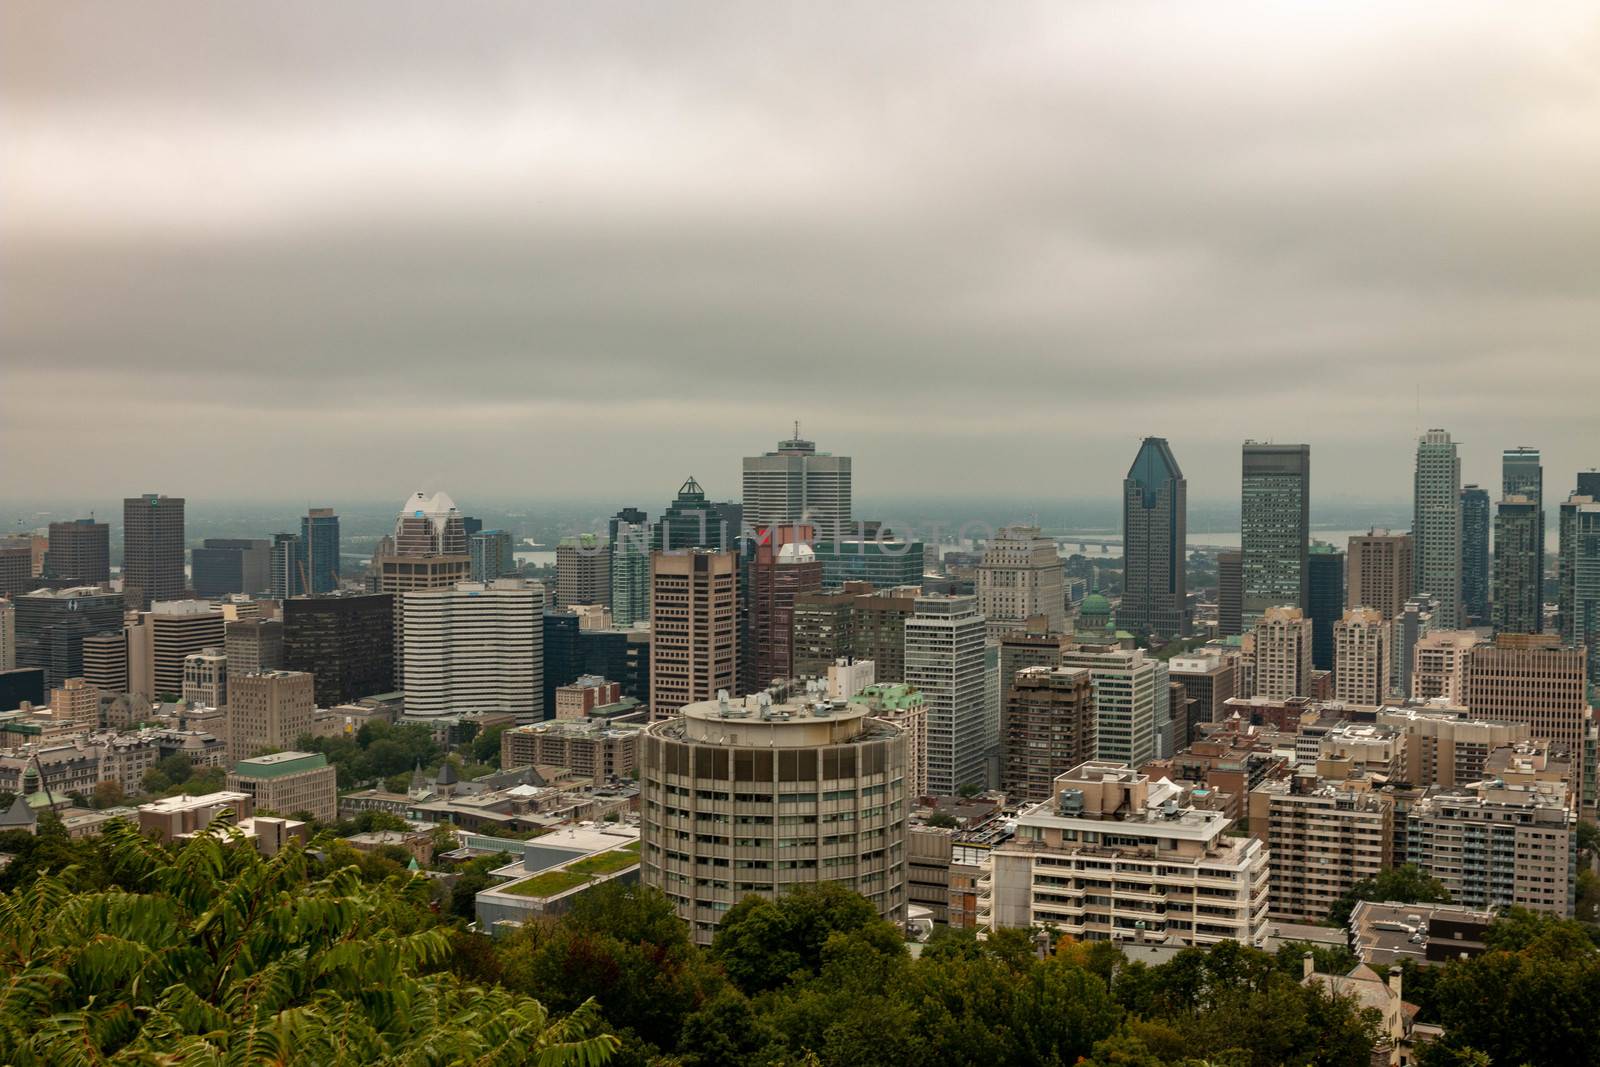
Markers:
point(694, 628)
point(269, 710)
point(1282, 654)
point(1274, 526)
point(1578, 581)
point(944, 660)
point(319, 546)
point(475, 648)
point(1362, 658)
point(1322, 838)
point(289, 783)
point(1380, 572)
point(1475, 555)
point(79, 552)
point(152, 549)
point(583, 572)
point(1154, 539)
point(1325, 601)
point(797, 483)
point(1436, 526)
point(1047, 726)
point(1021, 577)
point(1518, 606)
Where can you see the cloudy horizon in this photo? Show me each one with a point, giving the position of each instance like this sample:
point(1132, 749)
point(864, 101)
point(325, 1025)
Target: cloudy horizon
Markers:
point(514, 250)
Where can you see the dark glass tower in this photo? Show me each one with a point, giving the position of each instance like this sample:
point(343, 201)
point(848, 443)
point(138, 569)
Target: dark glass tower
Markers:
point(1518, 571)
point(1274, 526)
point(319, 544)
point(152, 549)
point(1475, 554)
point(693, 522)
point(1326, 601)
point(1154, 534)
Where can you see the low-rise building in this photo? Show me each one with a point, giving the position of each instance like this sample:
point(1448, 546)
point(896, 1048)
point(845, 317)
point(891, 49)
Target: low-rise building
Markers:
point(1385, 933)
point(590, 749)
point(173, 817)
point(1112, 855)
point(289, 783)
point(553, 871)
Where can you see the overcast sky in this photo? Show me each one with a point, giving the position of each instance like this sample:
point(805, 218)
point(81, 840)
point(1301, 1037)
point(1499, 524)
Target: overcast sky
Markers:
point(351, 250)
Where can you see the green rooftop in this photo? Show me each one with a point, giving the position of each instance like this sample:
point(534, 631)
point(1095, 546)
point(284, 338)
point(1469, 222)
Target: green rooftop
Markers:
point(280, 764)
point(890, 696)
point(550, 883)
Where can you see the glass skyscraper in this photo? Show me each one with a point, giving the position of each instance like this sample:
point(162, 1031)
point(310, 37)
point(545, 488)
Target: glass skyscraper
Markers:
point(1579, 596)
point(319, 545)
point(1154, 532)
point(1436, 527)
point(1325, 601)
point(1475, 555)
point(1274, 526)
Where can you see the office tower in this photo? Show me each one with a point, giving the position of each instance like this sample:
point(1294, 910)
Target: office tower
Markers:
point(1283, 654)
point(1047, 727)
point(798, 484)
point(205, 678)
point(105, 660)
point(492, 555)
point(583, 571)
point(1362, 657)
point(884, 561)
point(1439, 666)
point(1275, 526)
point(691, 521)
point(346, 643)
point(1154, 539)
point(253, 645)
point(477, 647)
point(8, 635)
point(1208, 681)
point(1518, 606)
point(1020, 578)
point(288, 566)
point(1132, 702)
point(1522, 474)
point(1322, 838)
point(1589, 484)
point(1498, 845)
point(560, 655)
point(1475, 555)
point(807, 764)
point(290, 783)
point(781, 568)
point(1531, 678)
point(1579, 580)
point(80, 552)
point(1325, 601)
point(267, 711)
point(319, 547)
point(225, 566)
point(944, 659)
point(428, 551)
point(1415, 621)
point(152, 549)
point(629, 533)
point(694, 628)
point(1230, 593)
point(1178, 875)
point(16, 568)
point(52, 623)
point(163, 638)
point(1380, 572)
point(858, 622)
point(1436, 527)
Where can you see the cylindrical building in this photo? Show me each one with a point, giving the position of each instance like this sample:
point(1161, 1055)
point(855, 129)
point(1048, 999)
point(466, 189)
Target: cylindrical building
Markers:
point(742, 797)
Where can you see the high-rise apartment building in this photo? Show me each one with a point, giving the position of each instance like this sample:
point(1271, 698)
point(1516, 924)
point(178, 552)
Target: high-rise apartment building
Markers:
point(224, 566)
point(1475, 555)
point(1113, 855)
point(1322, 838)
point(1533, 679)
point(1522, 474)
point(1132, 702)
point(77, 702)
point(345, 643)
point(1380, 572)
point(798, 484)
point(629, 530)
point(583, 571)
point(475, 648)
point(51, 625)
point(1154, 539)
point(781, 568)
point(1578, 579)
point(79, 552)
point(858, 622)
point(1021, 578)
point(1436, 526)
point(152, 549)
point(269, 710)
point(1447, 746)
point(1275, 526)
point(1283, 654)
point(901, 704)
point(319, 549)
point(1047, 727)
point(1362, 657)
point(694, 628)
point(1324, 601)
point(757, 797)
point(1439, 663)
point(1518, 606)
point(944, 659)
point(492, 555)
point(1498, 845)
point(691, 521)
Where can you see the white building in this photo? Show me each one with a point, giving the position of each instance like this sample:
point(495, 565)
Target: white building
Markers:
point(1283, 654)
point(1021, 577)
point(1361, 657)
point(798, 484)
point(475, 647)
point(1114, 856)
point(945, 660)
point(1132, 702)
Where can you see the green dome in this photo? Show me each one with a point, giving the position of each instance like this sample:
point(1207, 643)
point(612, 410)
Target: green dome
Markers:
point(1094, 604)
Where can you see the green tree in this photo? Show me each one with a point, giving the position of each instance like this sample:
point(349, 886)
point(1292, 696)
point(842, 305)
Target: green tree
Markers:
point(762, 943)
point(220, 955)
point(1407, 884)
point(486, 746)
point(107, 793)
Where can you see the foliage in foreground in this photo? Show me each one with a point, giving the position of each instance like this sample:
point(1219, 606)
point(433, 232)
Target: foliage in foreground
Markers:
point(209, 954)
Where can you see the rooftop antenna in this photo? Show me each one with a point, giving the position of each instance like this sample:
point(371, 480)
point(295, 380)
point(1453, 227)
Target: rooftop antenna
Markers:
point(797, 429)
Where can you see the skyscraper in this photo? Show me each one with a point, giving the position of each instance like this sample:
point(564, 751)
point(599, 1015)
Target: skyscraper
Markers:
point(288, 566)
point(1475, 555)
point(1275, 526)
point(477, 647)
point(945, 660)
point(223, 566)
point(1579, 575)
point(152, 549)
point(694, 628)
point(782, 567)
point(1380, 572)
point(1361, 673)
point(1283, 654)
point(1436, 526)
point(492, 555)
point(1230, 593)
point(319, 547)
point(1132, 701)
point(428, 551)
point(1324, 601)
point(583, 571)
point(1518, 579)
point(79, 552)
point(629, 530)
point(1522, 474)
point(798, 484)
point(51, 624)
point(691, 521)
point(346, 642)
point(1021, 577)
point(1532, 679)
point(1154, 534)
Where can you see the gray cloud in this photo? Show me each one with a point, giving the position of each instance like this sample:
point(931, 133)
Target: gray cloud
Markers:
point(526, 249)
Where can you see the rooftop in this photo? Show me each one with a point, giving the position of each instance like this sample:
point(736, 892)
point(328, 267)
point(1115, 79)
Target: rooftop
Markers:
point(280, 764)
